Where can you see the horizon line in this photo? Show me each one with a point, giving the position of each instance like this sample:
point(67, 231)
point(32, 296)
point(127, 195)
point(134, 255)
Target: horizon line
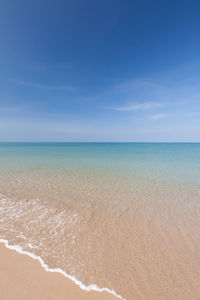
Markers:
point(101, 142)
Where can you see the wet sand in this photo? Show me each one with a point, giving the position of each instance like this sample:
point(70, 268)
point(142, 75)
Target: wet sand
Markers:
point(22, 277)
point(131, 228)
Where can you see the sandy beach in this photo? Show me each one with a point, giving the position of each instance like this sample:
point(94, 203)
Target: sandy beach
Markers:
point(113, 216)
point(22, 277)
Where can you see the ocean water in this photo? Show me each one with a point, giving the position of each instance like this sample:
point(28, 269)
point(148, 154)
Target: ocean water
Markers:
point(120, 216)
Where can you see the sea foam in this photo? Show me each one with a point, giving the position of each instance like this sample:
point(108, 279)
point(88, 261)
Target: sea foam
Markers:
point(91, 287)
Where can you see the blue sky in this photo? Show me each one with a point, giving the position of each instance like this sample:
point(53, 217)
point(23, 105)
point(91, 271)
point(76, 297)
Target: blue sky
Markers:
point(79, 70)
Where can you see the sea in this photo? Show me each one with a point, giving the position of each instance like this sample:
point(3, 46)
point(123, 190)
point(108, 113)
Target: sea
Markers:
point(121, 217)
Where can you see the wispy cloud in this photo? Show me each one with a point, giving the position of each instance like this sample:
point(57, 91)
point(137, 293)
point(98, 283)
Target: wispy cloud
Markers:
point(56, 115)
point(43, 86)
point(139, 106)
point(158, 116)
point(9, 109)
point(137, 84)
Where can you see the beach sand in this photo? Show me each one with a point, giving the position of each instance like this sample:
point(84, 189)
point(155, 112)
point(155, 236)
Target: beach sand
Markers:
point(22, 278)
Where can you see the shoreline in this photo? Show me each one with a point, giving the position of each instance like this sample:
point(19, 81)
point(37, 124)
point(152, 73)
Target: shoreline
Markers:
point(27, 276)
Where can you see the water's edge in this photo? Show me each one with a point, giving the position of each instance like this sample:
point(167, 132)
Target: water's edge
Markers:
point(91, 287)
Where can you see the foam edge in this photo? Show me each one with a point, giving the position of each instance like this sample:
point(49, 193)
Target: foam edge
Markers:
point(91, 287)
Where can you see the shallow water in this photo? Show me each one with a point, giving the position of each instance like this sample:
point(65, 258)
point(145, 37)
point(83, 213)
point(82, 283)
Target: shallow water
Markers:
point(124, 216)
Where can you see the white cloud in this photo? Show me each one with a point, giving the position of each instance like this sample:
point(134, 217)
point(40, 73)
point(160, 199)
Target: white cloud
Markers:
point(158, 116)
point(139, 106)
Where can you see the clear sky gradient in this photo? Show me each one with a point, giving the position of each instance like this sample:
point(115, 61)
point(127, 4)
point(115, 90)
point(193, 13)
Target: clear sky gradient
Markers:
point(109, 70)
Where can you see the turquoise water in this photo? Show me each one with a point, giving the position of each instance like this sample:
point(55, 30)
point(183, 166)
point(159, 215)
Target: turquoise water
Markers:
point(163, 161)
point(124, 216)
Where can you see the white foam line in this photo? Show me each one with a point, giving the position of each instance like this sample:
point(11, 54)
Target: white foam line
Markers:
point(91, 287)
